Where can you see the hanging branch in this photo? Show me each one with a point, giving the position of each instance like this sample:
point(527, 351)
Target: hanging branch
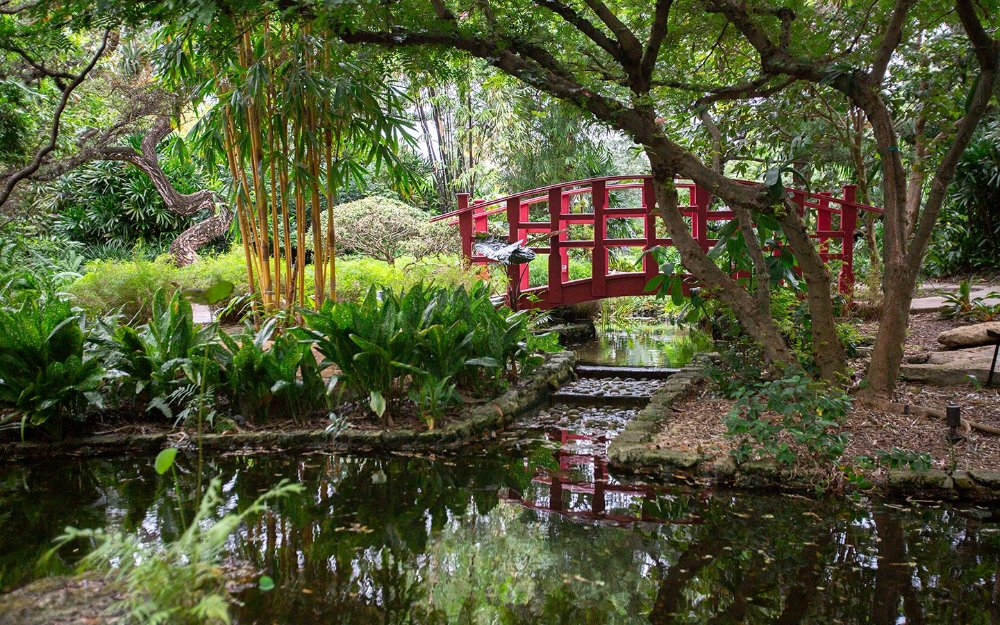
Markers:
point(49, 147)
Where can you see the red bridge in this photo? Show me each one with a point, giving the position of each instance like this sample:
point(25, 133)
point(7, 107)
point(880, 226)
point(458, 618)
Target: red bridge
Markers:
point(552, 216)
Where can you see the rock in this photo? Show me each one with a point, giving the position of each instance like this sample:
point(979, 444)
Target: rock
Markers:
point(62, 600)
point(954, 368)
point(969, 336)
point(989, 479)
point(907, 480)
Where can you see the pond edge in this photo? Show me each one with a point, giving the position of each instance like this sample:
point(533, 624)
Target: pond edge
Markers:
point(630, 454)
point(474, 424)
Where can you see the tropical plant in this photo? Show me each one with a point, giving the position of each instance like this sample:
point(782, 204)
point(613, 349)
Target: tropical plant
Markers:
point(183, 581)
point(109, 203)
point(46, 376)
point(166, 361)
point(422, 338)
point(268, 378)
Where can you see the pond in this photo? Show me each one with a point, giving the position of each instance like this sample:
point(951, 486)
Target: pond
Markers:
point(532, 528)
point(533, 531)
point(643, 344)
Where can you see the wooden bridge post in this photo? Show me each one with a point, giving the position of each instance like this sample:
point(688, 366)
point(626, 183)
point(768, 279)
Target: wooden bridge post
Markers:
point(465, 227)
point(564, 236)
point(554, 293)
point(599, 256)
point(848, 224)
point(649, 266)
point(824, 223)
point(701, 199)
point(481, 220)
point(513, 236)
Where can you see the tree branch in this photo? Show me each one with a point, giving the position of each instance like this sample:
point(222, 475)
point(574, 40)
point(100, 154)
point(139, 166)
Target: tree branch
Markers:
point(657, 33)
point(891, 39)
point(45, 150)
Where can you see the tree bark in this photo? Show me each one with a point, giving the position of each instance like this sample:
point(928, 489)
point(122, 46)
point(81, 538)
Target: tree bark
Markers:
point(757, 323)
point(185, 247)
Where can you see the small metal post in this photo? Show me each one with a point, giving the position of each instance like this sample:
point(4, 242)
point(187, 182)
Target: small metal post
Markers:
point(954, 416)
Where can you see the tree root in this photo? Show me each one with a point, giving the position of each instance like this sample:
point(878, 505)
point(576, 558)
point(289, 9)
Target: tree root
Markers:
point(932, 413)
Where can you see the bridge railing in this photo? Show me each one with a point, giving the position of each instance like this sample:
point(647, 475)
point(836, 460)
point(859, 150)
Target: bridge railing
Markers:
point(558, 208)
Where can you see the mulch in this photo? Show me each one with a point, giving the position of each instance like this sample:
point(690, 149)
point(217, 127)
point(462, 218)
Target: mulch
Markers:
point(697, 426)
point(921, 336)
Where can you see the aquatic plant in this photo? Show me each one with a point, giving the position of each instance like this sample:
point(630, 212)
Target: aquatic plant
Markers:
point(181, 582)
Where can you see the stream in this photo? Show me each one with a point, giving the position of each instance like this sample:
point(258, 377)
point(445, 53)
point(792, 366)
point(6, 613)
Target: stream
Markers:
point(533, 528)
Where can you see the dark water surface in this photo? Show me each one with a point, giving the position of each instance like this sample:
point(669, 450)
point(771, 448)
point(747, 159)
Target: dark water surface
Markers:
point(534, 532)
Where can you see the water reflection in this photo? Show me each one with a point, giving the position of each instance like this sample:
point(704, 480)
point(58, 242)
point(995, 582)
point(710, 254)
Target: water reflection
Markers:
point(644, 345)
point(462, 540)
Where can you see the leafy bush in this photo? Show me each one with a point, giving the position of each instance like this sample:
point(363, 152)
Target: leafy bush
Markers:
point(276, 378)
point(385, 229)
point(779, 417)
point(421, 339)
point(128, 287)
point(45, 374)
point(111, 202)
point(181, 582)
point(167, 362)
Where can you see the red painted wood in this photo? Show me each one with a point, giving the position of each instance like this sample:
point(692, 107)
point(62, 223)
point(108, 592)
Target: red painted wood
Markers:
point(473, 219)
point(599, 257)
point(465, 224)
point(554, 294)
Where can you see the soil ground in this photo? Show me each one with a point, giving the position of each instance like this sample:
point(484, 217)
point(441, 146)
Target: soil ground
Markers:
point(697, 426)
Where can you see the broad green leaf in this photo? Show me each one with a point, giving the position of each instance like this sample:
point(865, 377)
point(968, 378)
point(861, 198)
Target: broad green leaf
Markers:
point(165, 460)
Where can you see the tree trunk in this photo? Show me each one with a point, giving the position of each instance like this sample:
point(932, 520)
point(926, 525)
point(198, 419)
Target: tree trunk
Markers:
point(828, 352)
point(887, 353)
point(758, 324)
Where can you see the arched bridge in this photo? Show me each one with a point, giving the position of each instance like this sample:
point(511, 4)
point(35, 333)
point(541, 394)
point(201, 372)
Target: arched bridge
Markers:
point(620, 212)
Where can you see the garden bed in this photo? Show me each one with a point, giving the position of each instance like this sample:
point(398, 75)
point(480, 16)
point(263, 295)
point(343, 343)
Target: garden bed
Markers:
point(474, 423)
point(681, 435)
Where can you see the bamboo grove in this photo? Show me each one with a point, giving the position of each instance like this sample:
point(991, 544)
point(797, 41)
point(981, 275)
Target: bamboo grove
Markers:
point(297, 120)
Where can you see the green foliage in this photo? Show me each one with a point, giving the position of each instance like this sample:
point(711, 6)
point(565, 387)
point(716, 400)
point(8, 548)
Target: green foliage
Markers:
point(182, 582)
point(967, 237)
point(384, 228)
point(45, 375)
point(962, 305)
point(780, 418)
point(114, 203)
point(420, 338)
point(167, 362)
point(272, 378)
point(125, 287)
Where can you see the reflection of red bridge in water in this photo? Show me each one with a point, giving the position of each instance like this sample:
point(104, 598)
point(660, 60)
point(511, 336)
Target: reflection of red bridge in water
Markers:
point(589, 202)
point(559, 485)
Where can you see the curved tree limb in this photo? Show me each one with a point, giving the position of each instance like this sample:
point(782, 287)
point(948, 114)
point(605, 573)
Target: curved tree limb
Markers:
point(49, 147)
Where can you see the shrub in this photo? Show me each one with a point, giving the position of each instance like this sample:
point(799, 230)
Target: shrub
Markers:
point(268, 379)
point(45, 375)
point(385, 229)
point(423, 339)
point(779, 417)
point(167, 362)
point(127, 287)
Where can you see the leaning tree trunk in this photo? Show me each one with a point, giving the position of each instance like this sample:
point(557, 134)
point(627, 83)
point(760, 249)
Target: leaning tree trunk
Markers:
point(185, 247)
point(758, 323)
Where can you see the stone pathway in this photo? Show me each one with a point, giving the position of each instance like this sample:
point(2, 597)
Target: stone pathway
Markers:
point(937, 303)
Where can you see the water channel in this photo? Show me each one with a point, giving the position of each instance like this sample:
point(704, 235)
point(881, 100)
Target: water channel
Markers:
point(532, 528)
